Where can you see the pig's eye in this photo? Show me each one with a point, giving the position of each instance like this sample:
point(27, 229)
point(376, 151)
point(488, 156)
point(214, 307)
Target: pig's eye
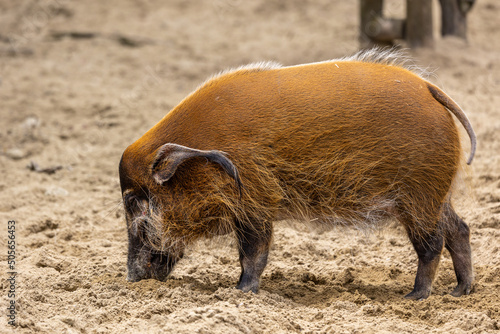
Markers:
point(130, 201)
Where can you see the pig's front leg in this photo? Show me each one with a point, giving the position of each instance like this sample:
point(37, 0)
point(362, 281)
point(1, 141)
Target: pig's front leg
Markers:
point(253, 247)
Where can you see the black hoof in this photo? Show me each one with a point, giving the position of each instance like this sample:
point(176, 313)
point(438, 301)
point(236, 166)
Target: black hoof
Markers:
point(418, 294)
point(461, 289)
point(248, 287)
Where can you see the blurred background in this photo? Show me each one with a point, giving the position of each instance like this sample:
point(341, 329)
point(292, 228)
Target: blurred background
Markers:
point(82, 80)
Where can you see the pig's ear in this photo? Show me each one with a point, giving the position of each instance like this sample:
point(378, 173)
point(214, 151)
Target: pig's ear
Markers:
point(170, 156)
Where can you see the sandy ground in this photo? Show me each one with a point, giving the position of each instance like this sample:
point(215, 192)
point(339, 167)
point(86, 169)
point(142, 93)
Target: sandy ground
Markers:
point(80, 81)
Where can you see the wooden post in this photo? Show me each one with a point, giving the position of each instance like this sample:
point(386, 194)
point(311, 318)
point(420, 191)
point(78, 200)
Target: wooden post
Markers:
point(454, 17)
point(369, 10)
point(419, 23)
point(375, 29)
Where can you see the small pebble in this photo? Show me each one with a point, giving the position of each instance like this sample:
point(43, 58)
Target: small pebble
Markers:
point(15, 153)
point(56, 191)
point(31, 123)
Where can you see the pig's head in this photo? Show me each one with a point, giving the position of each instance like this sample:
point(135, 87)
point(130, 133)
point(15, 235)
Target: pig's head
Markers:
point(170, 199)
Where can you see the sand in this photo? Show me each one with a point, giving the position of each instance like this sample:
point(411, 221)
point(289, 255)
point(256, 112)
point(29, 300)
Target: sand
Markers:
point(80, 81)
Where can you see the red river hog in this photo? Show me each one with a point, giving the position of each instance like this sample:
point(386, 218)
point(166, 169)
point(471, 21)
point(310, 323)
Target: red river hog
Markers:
point(352, 141)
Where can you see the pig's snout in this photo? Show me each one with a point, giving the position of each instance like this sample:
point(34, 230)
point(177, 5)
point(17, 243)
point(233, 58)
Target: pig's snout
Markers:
point(149, 264)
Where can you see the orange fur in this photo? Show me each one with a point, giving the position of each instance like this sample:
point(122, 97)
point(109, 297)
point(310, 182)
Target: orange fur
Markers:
point(346, 141)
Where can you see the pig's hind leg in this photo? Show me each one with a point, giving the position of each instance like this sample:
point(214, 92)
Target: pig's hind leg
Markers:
point(429, 250)
point(253, 247)
point(457, 242)
point(429, 245)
